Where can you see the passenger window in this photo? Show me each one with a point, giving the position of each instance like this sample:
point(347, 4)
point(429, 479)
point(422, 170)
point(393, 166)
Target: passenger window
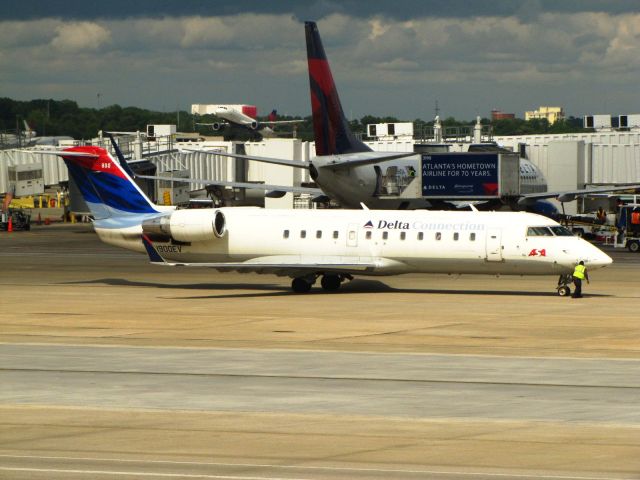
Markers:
point(303, 234)
point(456, 235)
point(318, 233)
point(403, 235)
point(420, 235)
point(385, 235)
point(285, 234)
point(472, 237)
point(438, 236)
point(335, 234)
point(368, 235)
point(352, 235)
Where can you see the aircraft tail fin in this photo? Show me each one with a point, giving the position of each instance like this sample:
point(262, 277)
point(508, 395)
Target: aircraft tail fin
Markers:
point(106, 187)
point(331, 128)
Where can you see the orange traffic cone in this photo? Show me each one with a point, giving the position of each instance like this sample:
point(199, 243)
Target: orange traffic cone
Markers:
point(10, 226)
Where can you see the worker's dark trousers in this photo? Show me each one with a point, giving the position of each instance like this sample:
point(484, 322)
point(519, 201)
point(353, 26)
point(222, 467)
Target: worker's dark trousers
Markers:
point(578, 284)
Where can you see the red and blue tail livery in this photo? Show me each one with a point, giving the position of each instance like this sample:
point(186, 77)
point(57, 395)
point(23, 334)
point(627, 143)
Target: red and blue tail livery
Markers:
point(331, 129)
point(105, 186)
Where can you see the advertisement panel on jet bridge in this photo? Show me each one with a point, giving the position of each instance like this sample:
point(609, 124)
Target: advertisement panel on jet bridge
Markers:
point(468, 175)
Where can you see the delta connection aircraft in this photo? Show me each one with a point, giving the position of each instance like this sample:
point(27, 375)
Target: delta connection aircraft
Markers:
point(333, 245)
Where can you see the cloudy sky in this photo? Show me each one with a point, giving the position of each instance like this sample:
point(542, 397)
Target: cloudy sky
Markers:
point(388, 57)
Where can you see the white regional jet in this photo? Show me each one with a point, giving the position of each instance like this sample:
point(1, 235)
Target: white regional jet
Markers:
point(333, 245)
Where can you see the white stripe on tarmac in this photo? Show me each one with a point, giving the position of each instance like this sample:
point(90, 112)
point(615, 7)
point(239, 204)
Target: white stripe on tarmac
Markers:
point(258, 465)
point(140, 474)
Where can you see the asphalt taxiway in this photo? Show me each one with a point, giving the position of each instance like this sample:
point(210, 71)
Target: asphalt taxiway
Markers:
point(111, 367)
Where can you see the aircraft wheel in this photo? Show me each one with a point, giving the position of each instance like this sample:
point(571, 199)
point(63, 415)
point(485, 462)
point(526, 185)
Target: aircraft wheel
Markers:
point(564, 291)
point(300, 285)
point(633, 246)
point(330, 283)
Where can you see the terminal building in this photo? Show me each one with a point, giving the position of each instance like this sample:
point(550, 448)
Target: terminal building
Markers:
point(568, 161)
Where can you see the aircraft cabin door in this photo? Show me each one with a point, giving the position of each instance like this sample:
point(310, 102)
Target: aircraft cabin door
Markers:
point(352, 235)
point(494, 245)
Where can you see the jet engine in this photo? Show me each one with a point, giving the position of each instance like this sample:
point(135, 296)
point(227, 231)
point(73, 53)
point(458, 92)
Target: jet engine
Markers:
point(186, 226)
point(253, 125)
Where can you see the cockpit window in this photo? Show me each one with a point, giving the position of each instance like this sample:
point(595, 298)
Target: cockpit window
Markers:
point(561, 231)
point(539, 232)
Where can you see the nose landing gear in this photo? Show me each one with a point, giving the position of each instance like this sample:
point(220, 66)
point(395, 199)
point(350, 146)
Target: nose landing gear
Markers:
point(563, 285)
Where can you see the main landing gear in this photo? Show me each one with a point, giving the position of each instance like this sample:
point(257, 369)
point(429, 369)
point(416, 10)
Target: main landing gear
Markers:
point(563, 285)
point(330, 282)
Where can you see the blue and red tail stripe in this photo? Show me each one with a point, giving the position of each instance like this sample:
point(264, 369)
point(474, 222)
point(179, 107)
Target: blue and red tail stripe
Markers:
point(331, 129)
point(106, 188)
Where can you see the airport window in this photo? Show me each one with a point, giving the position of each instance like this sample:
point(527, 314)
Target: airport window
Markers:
point(403, 235)
point(561, 231)
point(438, 236)
point(420, 235)
point(472, 236)
point(368, 235)
point(456, 236)
point(285, 234)
point(303, 234)
point(318, 233)
point(539, 232)
point(335, 234)
point(385, 235)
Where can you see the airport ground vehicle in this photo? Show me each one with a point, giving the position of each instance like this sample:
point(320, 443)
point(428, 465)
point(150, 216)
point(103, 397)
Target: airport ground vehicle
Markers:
point(20, 220)
point(628, 224)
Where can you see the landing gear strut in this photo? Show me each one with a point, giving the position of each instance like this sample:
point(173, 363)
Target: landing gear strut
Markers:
point(563, 285)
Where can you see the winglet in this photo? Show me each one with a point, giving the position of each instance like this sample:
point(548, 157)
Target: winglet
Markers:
point(154, 256)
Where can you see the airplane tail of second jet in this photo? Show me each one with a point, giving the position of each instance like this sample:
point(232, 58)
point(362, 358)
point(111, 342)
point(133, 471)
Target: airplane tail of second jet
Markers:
point(331, 129)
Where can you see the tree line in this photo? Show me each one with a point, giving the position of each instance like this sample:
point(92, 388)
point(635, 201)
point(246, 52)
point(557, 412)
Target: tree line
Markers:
point(65, 117)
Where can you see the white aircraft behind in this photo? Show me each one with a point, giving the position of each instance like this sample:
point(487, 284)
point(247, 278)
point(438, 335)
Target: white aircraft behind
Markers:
point(333, 245)
point(233, 116)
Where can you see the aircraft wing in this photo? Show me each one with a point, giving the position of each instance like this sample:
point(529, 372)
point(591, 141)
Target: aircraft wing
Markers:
point(225, 123)
point(280, 122)
point(283, 265)
point(570, 195)
point(255, 186)
point(367, 158)
point(275, 161)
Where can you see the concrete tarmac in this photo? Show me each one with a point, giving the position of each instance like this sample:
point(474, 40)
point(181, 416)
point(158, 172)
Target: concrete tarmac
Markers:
point(111, 367)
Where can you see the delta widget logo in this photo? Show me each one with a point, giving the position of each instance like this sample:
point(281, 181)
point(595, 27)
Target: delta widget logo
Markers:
point(369, 224)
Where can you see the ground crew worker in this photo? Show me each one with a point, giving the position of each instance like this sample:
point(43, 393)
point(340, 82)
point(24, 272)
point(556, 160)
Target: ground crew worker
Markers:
point(579, 274)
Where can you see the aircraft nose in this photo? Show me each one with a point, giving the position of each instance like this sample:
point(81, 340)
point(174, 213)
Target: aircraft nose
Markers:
point(598, 259)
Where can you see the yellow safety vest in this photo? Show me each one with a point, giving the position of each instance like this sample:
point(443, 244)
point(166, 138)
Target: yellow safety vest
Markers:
point(579, 271)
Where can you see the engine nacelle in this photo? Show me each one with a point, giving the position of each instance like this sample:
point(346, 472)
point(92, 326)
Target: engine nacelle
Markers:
point(216, 126)
point(253, 125)
point(186, 226)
